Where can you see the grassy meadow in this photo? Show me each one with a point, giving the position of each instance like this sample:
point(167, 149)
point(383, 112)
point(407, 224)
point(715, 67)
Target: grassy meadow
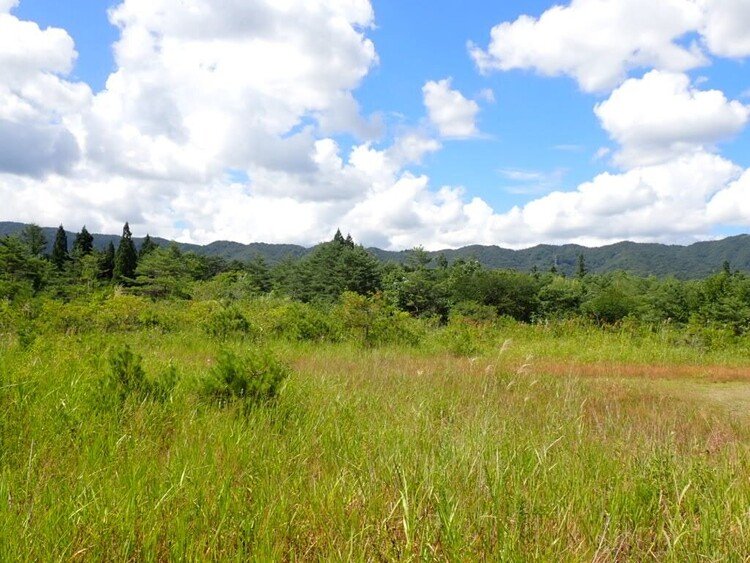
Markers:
point(499, 441)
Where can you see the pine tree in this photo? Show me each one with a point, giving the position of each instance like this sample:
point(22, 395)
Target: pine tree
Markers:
point(338, 237)
point(34, 239)
point(107, 264)
point(83, 243)
point(60, 248)
point(148, 245)
point(126, 258)
point(581, 272)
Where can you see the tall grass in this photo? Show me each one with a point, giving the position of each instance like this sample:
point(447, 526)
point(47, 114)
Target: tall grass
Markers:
point(366, 453)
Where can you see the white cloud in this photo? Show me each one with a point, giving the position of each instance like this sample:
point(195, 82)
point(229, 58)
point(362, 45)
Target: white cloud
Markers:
point(726, 26)
point(732, 205)
point(454, 115)
point(257, 87)
point(7, 5)
point(37, 103)
point(664, 201)
point(661, 116)
point(596, 41)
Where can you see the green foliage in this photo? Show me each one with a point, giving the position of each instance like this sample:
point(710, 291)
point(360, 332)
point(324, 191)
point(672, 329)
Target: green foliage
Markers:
point(331, 269)
point(229, 322)
point(107, 262)
point(83, 243)
point(127, 378)
point(610, 305)
point(462, 337)
point(163, 273)
point(22, 273)
point(372, 321)
point(560, 297)
point(33, 237)
point(147, 246)
point(298, 322)
point(126, 258)
point(513, 294)
point(254, 378)
point(60, 249)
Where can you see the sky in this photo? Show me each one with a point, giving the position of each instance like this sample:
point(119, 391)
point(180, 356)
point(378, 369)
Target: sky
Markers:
point(434, 123)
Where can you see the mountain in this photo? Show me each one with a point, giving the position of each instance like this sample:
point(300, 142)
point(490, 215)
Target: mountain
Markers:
point(685, 262)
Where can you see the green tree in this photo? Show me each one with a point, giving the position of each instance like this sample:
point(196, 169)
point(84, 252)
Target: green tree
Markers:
point(60, 249)
point(21, 272)
point(163, 273)
point(107, 262)
point(126, 258)
point(329, 270)
point(83, 243)
point(581, 271)
point(148, 245)
point(33, 237)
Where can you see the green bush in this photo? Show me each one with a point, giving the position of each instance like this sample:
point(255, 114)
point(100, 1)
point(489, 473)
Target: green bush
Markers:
point(303, 322)
point(127, 378)
point(229, 322)
point(253, 378)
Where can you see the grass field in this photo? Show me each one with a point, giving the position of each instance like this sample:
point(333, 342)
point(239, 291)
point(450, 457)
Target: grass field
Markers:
point(543, 443)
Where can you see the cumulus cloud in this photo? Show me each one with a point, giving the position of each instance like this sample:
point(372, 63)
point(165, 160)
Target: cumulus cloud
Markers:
point(726, 25)
point(217, 124)
point(36, 150)
point(7, 5)
point(647, 203)
point(661, 116)
point(596, 41)
point(37, 104)
point(201, 86)
point(454, 115)
point(732, 205)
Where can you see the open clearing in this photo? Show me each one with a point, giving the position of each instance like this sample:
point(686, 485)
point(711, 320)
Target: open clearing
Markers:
point(387, 453)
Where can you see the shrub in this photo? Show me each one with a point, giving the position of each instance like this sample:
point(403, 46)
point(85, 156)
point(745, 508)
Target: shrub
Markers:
point(228, 322)
point(127, 378)
point(253, 378)
point(376, 323)
point(303, 322)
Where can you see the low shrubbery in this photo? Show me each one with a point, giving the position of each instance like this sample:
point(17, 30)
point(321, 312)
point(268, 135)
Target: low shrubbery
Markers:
point(126, 379)
point(252, 378)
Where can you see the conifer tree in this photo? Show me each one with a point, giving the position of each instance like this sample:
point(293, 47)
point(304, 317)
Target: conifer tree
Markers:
point(338, 237)
point(126, 258)
point(581, 272)
point(148, 245)
point(107, 264)
point(83, 243)
point(60, 248)
point(34, 239)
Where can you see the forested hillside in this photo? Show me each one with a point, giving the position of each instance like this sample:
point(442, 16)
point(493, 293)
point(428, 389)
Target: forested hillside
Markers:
point(683, 262)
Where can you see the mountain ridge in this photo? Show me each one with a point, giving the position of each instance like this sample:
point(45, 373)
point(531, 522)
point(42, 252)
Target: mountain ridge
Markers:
point(696, 260)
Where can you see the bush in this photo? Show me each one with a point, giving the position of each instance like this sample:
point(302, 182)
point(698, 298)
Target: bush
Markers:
point(374, 322)
point(228, 322)
point(127, 378)
point(303, 322)
point(253, 378)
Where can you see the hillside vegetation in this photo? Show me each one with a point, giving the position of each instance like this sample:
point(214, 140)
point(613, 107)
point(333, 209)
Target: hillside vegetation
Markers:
point(159, 404)
point(684, 262)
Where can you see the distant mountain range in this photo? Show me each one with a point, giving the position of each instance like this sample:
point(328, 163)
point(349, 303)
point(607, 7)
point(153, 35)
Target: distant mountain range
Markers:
point(685, 262)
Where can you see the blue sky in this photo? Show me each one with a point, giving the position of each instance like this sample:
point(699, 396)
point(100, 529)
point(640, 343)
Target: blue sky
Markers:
point(523, 99)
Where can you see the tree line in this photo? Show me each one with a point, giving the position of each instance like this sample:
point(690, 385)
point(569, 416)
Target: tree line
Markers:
point(424, 287)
